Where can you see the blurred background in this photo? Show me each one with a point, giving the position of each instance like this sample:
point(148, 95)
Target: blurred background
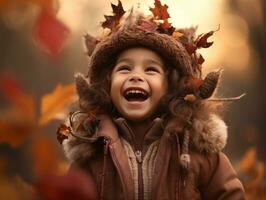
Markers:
point(41, 48)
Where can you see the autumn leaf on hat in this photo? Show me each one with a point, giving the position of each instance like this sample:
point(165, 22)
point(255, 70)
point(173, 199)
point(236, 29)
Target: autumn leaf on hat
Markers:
point(202, 39)
point(160, 12)
point(112, 21)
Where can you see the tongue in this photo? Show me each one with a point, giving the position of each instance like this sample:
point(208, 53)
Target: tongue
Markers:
point(135, 97)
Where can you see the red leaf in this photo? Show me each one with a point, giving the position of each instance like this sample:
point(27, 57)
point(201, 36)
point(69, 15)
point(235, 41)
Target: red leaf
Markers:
point(50, 33)
point(62, 133)
point(10, 87)
point(201, 41)
point(160, 11)
point(74, 185)
point(111, 21)
point(148, 26)
point(200, 59)
point(191, 48)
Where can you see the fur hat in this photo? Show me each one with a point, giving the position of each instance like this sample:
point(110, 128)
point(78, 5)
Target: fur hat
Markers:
point(177, 47)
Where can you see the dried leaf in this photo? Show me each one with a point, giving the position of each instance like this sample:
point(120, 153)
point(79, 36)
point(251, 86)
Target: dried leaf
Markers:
point(200, 59)
point(63, 133)
point(191, 48)
point(160, 11)
point(50, 33)
point(177, 34)
point(148, 26)
point(202, 39)
point(56, 102)
point(112, 21)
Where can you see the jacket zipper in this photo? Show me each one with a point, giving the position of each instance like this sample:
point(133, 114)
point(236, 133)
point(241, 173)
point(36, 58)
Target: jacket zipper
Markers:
point(138, 155)
point(139, 158)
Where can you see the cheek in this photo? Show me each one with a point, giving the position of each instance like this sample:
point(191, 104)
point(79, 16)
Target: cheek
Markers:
point(160, 86)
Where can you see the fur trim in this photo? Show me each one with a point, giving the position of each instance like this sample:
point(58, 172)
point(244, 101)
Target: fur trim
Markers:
point(210, 135)
point(77, 151)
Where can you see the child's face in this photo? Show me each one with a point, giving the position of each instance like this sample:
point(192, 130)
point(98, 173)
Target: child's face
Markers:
point(138, 82)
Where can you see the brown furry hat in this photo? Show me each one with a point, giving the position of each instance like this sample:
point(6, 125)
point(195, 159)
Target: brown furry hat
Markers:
point(177, 47)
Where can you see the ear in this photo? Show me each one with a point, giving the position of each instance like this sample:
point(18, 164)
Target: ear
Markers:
point(82, 86)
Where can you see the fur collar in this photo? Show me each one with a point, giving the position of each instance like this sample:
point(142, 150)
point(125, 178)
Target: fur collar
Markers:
point(208, 135)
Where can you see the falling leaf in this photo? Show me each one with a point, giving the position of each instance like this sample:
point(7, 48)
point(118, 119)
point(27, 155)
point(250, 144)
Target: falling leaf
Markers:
point(19, 100)
point(56, 102)
point(49, 32)
point(112, 21)
point(45, 156)
point(248, 160)
point(74, 185)
point(14, 133)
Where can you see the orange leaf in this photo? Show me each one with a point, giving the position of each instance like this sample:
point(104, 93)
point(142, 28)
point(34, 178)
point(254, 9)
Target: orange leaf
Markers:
point(45, 156)
point(14, 133)
point(22, 102)
point(56, 103)
point(111, 21)
point(159, 11)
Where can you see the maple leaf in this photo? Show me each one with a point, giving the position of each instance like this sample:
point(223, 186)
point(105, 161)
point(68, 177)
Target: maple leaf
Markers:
point(202, 39)
point(112, 21)
point(159, 11)
point(55, 103)
point(50, 33)
point(18, 123)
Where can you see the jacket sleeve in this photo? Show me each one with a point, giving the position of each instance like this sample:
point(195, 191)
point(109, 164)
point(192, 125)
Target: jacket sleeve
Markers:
point(219, 180)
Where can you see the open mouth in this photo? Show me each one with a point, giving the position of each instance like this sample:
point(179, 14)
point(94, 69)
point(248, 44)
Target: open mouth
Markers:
point(135, 94)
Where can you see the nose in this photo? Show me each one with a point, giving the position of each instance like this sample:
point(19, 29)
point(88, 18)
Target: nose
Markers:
point(136, 77)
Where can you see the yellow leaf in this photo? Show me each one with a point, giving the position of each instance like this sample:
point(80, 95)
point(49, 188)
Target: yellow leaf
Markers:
point(57, 102)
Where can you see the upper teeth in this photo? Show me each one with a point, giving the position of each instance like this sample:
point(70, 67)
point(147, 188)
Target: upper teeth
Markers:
point(136, 91)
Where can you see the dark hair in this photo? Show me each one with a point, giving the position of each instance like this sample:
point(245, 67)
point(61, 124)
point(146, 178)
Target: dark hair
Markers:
point(171, 104)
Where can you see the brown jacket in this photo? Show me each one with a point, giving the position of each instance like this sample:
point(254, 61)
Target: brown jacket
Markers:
point(109, 163)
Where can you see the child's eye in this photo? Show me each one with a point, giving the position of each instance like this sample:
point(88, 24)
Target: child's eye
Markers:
point(152, 69)
point(123, 68)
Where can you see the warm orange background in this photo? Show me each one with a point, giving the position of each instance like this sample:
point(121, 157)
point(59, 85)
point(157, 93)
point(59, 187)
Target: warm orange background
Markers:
point(36, 83)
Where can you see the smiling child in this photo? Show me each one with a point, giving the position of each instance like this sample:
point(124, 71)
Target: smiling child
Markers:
point(146, 128)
